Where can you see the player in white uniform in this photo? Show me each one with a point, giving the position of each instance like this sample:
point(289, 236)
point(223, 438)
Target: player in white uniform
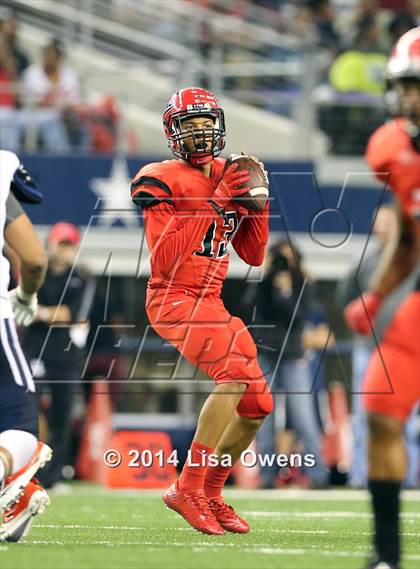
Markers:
point(21, 455)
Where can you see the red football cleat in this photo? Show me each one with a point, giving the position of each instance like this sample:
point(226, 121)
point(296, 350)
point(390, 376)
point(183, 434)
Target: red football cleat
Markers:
point(227, 517)
point(17, 520)
point(194, 507)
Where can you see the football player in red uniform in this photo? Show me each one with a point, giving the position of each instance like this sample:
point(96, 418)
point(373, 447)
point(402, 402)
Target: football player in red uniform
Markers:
point(190, 217)
point(392, 382)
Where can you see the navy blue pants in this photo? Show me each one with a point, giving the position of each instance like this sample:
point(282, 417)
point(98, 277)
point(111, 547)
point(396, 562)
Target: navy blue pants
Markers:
point(18, 401)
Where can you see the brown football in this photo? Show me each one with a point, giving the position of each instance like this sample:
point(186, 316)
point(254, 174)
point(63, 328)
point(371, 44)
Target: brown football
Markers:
point(256, 198)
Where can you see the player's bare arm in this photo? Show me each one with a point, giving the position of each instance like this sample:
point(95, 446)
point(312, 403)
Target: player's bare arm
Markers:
point(53, 314)
point(22, 238)
point(399, 258)
point(13, 259)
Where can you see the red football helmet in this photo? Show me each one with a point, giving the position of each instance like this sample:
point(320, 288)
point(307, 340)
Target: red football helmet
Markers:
point(193, 102)
point(404, 62)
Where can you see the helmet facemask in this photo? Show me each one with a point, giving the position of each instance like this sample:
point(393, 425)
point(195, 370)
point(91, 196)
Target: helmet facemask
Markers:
point(409, 105)
point(407, 97)
point(204, 144)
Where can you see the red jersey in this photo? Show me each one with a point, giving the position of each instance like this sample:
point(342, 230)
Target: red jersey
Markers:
point(187, 238)
point(393, 158)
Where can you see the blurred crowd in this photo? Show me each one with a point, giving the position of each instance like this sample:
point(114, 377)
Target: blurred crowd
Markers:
point(352, 42)
point(349, 43)
point(339, 28)
point(41, 103)
point(364, 25)
point(43, 107)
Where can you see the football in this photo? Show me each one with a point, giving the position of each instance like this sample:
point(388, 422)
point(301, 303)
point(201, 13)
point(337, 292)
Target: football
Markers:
point(256, 198)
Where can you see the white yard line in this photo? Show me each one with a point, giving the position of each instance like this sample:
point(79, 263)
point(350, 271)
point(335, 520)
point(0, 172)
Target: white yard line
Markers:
point(142, 528)
point(80, 526)
point(287, 494)
point(320, 515)
point(187, 529)
point(41, 542)
point(279, 551)
point(320, 552)
point(313, 495)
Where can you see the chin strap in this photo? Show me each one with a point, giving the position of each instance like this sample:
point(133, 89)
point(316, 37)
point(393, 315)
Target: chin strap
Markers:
point(200, 160)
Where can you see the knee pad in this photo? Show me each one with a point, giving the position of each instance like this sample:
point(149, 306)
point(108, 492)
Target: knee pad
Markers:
point(257, 401)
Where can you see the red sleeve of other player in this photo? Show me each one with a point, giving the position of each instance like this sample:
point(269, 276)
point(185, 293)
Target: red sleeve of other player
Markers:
point(250, 240)
point(378, 151)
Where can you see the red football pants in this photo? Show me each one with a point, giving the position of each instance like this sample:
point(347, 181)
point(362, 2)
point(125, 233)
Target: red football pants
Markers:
point(392, 381)
point(214, 341)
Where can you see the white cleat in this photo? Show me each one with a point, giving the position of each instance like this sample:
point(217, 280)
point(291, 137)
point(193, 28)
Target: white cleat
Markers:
point(17, 520)
point(14, 486)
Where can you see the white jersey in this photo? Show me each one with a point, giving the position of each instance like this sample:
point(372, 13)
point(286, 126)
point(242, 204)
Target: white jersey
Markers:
point(9, 163)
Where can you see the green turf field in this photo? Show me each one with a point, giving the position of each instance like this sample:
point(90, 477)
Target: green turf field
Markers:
point(100, 529)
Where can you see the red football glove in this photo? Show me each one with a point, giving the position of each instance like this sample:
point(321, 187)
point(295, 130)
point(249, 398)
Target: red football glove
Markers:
point(228, 187)
point(360, 314)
